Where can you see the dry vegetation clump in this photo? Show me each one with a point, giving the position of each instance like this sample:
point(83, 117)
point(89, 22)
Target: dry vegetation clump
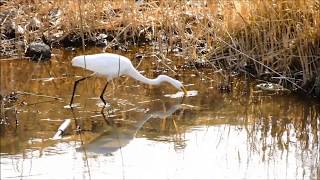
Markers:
point(276, 40)
point(279, 40)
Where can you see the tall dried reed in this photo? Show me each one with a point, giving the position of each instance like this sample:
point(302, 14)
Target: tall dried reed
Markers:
point(278, 36)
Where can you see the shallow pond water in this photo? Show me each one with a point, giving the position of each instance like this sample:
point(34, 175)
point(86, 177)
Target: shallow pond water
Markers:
point(151, 132)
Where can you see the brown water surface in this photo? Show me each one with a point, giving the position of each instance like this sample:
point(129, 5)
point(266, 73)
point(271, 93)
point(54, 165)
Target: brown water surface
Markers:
point(149, 132)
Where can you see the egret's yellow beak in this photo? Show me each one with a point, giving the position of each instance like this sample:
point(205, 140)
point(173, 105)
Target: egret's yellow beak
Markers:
point(184, 90)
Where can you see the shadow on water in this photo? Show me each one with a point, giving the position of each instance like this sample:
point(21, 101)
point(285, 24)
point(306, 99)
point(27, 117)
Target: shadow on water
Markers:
point(149, 132)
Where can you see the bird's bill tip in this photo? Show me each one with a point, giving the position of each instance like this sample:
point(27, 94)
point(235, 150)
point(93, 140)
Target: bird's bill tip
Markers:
point(184, 90)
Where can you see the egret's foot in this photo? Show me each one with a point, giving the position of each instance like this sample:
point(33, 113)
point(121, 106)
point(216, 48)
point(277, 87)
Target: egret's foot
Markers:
point(102, 105)
point(107, 108)
point(72, 106)
point(106, 119)
point(78, 129)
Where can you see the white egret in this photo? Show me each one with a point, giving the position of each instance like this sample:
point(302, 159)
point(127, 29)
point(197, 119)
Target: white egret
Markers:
point(112, 66)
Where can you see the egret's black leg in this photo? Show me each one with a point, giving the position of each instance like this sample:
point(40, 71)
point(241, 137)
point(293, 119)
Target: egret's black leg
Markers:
point(110, 123)
point(75, 87)
point(102, 93)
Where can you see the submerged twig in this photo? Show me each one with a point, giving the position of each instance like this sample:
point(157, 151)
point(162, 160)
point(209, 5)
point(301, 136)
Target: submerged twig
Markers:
point(38, 95)
point(40, 102)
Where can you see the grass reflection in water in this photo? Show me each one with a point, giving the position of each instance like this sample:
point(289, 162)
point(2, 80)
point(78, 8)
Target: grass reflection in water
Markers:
point(210, 135)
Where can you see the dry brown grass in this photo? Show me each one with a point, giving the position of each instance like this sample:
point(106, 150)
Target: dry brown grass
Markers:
point(281, 39)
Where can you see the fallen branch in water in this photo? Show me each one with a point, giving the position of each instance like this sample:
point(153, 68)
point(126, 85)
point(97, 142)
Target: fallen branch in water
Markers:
point(40, 102)
point(38, 95)
point(61, 130)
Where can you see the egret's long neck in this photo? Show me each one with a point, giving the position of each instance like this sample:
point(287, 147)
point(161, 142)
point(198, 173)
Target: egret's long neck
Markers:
point(137, 76)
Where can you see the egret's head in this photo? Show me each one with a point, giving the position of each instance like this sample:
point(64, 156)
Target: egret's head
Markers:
point(177, 84)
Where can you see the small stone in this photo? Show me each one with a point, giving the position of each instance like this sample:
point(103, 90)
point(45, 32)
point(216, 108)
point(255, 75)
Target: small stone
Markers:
point(11, 30)
point(139, 56)
point(101, 40)
point(38, 51)
point(102, 36)
point(19, 30)
point(34, 24)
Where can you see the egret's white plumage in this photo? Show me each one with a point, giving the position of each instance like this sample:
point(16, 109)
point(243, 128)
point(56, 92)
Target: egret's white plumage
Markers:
point(104, 64)
point(113, 65)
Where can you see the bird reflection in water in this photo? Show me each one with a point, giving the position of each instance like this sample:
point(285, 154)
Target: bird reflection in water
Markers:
point(118, 137)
